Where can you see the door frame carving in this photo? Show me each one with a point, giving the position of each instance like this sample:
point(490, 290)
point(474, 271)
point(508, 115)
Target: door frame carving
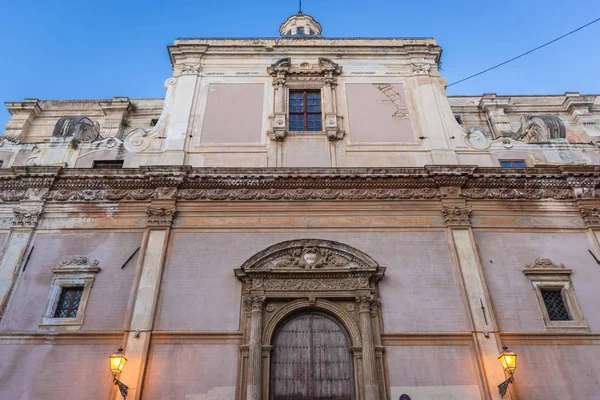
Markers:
point(311, 274)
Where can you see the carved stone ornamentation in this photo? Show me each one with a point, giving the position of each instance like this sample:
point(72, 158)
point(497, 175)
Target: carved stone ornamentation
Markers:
point(420, 69)
point(544, 266)
point(160, 217)
point(80, 128)
point(190, 69)
point(25, 218)
point(396, 98)
point(591, 217)
point(78, 260)
point(541, 129)
point(457, 216)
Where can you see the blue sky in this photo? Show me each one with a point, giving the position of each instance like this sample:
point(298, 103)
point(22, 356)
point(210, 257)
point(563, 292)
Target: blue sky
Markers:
point(72, 49)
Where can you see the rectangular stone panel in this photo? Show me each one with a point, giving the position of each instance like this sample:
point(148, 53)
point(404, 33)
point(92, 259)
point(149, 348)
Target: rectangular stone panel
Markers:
point(432, 372)
point(504, 256)
point(55, 372)
point(378, 113)
point(192, 371)
point(234, 113)
point(107, 303)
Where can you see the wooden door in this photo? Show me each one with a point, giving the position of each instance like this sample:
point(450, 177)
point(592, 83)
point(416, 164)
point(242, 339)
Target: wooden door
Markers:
point(311, 359)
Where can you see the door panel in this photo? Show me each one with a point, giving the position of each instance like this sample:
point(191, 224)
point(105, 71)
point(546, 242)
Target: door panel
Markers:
point(311, 360)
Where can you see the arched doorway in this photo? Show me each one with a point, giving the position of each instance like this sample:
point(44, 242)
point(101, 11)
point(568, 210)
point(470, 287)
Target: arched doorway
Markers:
point(311, 360)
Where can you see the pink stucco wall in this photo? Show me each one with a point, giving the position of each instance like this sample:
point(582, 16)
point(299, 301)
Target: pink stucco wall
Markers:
point(55, 372)
point(505, 254)
point(108, 298)
point(419, 292)
point(564, 372)
point(431, 366)
point(180, 371)
point(370, 114)
point(233, 113)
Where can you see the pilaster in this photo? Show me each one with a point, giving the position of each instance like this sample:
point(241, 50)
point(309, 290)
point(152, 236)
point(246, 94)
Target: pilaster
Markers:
point(254, 389)
point(368, 347)
point(494, 107)
point(114, 112)
point(486, 338)
point(138, 333)
point(23, 113)
point(25, 220)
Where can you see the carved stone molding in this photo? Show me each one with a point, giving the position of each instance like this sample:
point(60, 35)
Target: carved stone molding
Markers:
point(541, 129)
point(457, 216)
point(396, 98)
point(77, 264)
point(25, 218)
point(545, 266)
point(591, 217)
point(160, 216)
point(420, 69)
point(262, 184)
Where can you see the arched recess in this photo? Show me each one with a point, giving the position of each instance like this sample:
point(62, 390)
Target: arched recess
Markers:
point(311, 274)
point(299, 305)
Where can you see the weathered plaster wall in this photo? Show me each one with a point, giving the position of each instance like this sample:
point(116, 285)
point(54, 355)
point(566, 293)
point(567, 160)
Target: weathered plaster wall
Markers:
point(233, 113)
point(566, 372)
point(432, 372)
point(419, 292)
point(108, 298)
point(306, 151)
point(55, 372)
point(192, 371)
point(370, 114)
point(505, 254)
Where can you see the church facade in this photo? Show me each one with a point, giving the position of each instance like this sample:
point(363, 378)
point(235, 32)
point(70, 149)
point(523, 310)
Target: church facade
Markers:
point(301, 217)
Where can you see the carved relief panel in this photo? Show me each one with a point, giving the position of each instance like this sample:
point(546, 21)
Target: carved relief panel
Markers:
point(310, 278)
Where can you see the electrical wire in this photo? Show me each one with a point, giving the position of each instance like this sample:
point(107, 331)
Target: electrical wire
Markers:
point(526, 53)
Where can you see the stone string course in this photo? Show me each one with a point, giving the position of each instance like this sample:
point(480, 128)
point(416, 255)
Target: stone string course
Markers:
point(262, 184)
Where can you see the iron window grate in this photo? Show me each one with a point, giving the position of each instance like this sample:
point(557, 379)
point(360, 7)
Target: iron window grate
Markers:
point(555, 305)
point(68, 303)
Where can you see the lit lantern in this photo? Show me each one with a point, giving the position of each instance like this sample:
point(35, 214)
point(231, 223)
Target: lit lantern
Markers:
point(508, 360)
point(117, 362)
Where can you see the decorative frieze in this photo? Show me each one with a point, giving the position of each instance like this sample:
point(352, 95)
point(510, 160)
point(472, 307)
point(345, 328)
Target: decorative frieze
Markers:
point(257, 184)
point(160, 216)
point(25, 218)
point(457, 216)
point(420, 69)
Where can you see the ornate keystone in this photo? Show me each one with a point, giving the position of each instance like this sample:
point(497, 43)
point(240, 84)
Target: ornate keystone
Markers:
point(457, 216)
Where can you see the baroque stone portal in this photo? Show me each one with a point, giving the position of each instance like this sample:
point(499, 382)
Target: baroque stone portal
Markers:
point(310, 275)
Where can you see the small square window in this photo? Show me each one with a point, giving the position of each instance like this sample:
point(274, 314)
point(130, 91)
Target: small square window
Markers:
point(512, 163)
point(555, 305)
point(68, 302)
point(300, 31)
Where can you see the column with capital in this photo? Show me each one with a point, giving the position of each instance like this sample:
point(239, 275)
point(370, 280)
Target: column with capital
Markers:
point(368, 347)
point(255, 349)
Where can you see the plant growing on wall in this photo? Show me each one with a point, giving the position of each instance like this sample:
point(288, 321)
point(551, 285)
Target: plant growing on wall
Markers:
point(125, 123)
point(74, 144)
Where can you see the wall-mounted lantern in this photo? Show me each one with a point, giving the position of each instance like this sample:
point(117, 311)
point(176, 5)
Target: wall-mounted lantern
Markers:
point(117, 362)
point(509, 363)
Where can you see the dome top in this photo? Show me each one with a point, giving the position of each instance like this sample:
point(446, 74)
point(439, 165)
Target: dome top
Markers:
point(300, 25)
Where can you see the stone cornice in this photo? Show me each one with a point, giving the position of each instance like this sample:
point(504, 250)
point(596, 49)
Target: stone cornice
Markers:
point(296, 184)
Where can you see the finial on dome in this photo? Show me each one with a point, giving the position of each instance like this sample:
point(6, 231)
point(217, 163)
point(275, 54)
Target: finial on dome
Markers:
point(300, 25)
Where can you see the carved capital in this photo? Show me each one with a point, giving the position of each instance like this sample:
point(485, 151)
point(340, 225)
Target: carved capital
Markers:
point(420, 69)
point(190, 69)
point(591, 217)
point(160, 217)
point(258, 302)
point(457, 216)
point(365, 301)
point(25, 218)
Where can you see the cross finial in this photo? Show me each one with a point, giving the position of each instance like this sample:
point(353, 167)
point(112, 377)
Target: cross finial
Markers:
point(300, 12)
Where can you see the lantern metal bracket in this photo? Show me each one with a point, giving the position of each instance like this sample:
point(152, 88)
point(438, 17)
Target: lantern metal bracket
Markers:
point(503, 387)
point(122, 387)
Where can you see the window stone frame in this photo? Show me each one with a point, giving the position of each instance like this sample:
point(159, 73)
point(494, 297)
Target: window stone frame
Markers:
point(76, 271)
point(544, 274)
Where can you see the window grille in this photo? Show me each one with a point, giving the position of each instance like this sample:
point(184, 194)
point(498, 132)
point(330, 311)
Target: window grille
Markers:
point(68, 303)
point(555, 305)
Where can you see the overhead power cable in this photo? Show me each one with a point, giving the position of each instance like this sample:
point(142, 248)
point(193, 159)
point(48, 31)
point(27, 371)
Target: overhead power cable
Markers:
point(526, 53)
